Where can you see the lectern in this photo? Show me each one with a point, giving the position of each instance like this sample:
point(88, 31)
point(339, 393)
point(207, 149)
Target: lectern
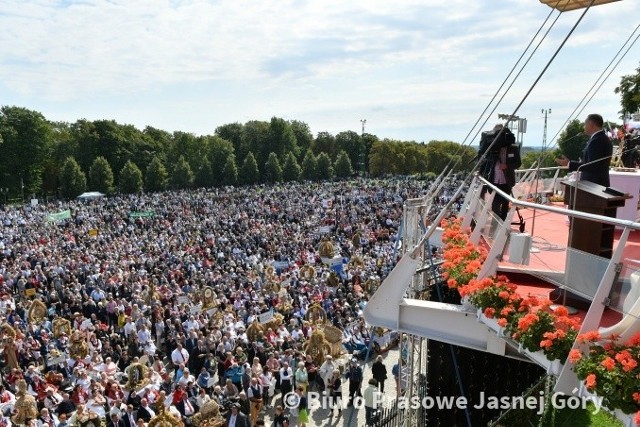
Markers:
point(591, 236)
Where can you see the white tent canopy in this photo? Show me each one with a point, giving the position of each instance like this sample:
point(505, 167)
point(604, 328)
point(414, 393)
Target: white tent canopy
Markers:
point(90, 195)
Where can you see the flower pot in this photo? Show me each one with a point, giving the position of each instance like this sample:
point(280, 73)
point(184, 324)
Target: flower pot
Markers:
point(625, 419)
point(466, 304)
point(553, 366)
point(491, 323)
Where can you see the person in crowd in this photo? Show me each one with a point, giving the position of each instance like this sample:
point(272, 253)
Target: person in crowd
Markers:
point(379, 372)
point(334, 388)
point(142, 281)
point(355, 375)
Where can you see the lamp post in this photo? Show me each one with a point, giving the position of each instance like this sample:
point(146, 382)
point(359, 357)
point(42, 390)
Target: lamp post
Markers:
point(546, 113)
point(363, 153)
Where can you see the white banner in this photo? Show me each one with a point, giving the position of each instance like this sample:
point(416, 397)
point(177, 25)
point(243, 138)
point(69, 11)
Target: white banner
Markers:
point(183, 299)
point(265, 317)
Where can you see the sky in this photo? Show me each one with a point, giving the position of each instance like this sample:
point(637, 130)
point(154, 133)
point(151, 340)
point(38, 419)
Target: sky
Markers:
point(413, 69)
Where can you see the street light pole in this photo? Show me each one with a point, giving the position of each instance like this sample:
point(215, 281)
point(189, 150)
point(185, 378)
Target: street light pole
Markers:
point(363, 153)
point(546, 113)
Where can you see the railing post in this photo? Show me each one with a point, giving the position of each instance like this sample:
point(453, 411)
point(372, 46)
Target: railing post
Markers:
point(481, 222)
point(568, 381)
point(490, 266)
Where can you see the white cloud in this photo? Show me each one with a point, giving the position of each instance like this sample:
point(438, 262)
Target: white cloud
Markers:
point(410, 67)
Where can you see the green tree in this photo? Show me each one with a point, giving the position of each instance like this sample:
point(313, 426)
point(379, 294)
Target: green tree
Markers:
point(343, 165)
point(629, 91)
point(249, 173)
point(572, 141)
point(351, 143)
point(204, 175)
point(157, 177)
point(310, 166)
point(304, 137)
point(281, 138)
point(101, 176)
point(192, 148)
point(272, 169)
point(27, 142)
point(73, 181)
point(182, 175)
point(63, 146)
point(546, 159)
point(233, 133)
point(219, 151)
point(410, 151)
point(367, 142)
point(230, 170)
point(382, 158)
point(448, 153)
point(325, 143)
point(255, 138)
point(130, 178)
point(325, 169)
point(291, 169)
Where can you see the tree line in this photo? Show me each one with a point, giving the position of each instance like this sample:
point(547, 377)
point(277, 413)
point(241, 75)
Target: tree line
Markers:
point(47, 158)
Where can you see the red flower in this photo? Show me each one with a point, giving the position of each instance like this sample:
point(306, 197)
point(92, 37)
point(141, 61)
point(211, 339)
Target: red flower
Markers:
point(609, 364)
point(591, 336)
point(637, 418)
point(502, 322)
point(561, 311)
point(489, 312)
point(546, 344)
point(525, 322)
point(636, 397)
point(591, 381)
point(575, 355)
point(634, 340)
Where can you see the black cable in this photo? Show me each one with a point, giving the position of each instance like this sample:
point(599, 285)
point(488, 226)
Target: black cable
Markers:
point(464, 142)
point(575, 112)
point(509, 75)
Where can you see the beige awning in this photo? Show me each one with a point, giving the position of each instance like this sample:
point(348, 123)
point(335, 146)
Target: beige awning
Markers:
point(565, 5)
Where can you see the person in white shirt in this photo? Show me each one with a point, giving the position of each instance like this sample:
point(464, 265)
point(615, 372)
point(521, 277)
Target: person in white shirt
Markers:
point(286, 379)
point(191, 324)
point(283, 332)
point(179, 356)
point(186, 378)
point(297, 334)
point(129, 328)
point(326, 370)
point(143, 335)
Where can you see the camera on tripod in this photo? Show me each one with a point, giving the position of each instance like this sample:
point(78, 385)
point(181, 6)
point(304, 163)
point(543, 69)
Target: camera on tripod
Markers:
point(504, 136)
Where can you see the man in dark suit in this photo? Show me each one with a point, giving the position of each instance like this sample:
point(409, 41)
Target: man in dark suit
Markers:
point(235, 418)
point(128, 417)
point(596, 157)
point(115, 421)
point(145, 412)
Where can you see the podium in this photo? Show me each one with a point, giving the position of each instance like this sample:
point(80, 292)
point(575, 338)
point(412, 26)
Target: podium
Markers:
point(591, 236)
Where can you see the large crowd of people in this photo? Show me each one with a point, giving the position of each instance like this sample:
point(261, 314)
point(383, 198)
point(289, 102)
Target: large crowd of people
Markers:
point(88, 297)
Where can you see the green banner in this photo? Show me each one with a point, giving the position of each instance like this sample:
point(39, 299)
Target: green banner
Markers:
point(59, 215)
point(142, 214)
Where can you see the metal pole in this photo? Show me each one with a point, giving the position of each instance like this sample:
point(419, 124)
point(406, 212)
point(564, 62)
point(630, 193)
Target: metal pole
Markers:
point(546, 113)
